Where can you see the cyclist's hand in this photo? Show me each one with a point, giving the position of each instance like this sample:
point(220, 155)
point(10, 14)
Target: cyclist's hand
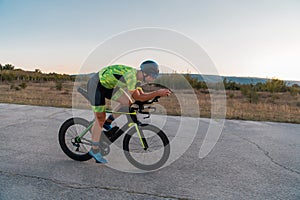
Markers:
point(163, 92)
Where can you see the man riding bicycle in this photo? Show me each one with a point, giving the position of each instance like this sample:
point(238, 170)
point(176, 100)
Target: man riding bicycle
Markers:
point(118, 83)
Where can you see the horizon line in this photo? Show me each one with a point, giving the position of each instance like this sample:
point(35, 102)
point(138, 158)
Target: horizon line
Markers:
point(184, 73)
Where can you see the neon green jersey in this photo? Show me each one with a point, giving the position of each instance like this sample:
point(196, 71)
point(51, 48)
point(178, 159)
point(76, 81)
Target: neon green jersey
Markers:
point(118, 76)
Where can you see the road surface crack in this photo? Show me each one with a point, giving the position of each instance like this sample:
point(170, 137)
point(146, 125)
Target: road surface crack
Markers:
point(78, 186)
point(267, 154)
point(52, 115)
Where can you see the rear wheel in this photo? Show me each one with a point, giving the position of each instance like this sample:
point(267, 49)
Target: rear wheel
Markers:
point(69, 142)
point(154, 156)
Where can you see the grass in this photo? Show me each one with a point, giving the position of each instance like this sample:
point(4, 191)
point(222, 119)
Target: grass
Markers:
point(277, 107)
point(43, 94)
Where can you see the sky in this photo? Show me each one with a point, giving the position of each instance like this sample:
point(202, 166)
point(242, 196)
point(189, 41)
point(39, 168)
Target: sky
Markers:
point(257, 38)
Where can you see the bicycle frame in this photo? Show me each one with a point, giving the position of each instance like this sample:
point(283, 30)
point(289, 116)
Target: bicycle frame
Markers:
point(132, 121)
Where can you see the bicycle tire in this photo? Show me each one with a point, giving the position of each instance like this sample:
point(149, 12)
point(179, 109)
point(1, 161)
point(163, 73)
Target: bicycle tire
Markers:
point(65, 127)
point(156, 132)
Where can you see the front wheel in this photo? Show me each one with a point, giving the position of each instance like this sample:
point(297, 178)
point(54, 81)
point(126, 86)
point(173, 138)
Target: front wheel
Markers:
point(150, 158)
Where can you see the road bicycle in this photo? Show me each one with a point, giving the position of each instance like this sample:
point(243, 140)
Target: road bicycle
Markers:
point(145, 146)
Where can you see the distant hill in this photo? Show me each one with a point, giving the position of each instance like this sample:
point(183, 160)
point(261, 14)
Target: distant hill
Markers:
point(214, 79)
point(240, 80)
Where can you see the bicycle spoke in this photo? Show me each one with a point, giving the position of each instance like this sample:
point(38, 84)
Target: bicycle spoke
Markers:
point(150, 141)
point(71, 135)
point(160, 146)
point(149, 156)
point(136, 141)
point(153, 142)
point(74, 131)
point(84, 147)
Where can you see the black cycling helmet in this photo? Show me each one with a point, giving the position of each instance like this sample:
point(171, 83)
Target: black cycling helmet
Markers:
point(150, 68)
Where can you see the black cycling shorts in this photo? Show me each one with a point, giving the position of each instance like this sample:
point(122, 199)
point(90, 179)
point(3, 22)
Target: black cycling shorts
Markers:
point(97, 93)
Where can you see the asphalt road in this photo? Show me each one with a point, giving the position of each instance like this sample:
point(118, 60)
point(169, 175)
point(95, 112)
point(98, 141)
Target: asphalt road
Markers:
point(252, 160)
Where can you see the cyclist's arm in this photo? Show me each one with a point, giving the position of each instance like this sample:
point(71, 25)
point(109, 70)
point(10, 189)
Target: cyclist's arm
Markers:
point(139, 94)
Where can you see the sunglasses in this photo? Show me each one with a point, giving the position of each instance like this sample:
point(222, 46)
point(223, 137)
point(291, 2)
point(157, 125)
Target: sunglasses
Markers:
point(154, 75)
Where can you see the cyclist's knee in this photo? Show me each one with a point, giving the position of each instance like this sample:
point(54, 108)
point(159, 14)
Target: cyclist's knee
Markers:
point(125, 101)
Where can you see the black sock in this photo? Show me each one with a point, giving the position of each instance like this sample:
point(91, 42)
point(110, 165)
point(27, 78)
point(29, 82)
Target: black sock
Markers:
point(107, 123)
point(111, 118)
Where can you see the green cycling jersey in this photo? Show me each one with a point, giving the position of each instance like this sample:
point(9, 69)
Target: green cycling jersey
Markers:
point(118, 76)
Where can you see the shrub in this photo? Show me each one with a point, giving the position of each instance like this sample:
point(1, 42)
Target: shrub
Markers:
point(231, 95)
point(250, 93)
point(23, 85)
point(58, 86)
point(294, 90)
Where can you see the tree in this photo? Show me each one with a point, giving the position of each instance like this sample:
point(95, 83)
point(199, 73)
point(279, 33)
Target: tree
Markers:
point(8, 67)
point(37, 71)
point(276, 85)
point(231, 85)
point(1, 67)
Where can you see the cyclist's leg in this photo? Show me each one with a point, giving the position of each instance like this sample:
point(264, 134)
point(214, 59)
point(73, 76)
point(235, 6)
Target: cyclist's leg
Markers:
point(97, 127)
point(97, 101)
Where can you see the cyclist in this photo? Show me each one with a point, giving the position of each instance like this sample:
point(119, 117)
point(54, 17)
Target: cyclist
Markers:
point(118, 83)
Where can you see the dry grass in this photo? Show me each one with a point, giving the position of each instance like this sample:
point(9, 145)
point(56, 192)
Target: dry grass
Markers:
point(279, 107)
point(43, 94)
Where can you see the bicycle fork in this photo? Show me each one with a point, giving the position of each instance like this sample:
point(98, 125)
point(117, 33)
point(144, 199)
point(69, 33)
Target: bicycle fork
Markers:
point(141, 135)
